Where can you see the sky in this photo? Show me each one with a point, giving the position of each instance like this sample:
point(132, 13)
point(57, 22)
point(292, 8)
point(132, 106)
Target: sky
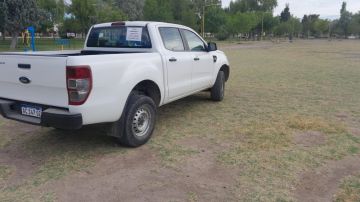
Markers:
point(326, 8)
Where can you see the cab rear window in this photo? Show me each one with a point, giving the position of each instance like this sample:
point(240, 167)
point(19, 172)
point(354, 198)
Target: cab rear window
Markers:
point(119, 37)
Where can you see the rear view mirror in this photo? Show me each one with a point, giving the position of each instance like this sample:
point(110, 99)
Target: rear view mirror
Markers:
point(212, 46)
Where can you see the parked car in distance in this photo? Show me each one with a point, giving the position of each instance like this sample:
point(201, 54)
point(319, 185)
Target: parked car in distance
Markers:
point(125, 71)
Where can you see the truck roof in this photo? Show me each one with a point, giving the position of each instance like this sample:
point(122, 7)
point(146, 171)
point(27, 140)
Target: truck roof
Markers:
point(138, 23)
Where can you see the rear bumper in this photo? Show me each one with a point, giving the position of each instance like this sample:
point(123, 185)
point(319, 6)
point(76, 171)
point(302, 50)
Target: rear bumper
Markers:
point(51, 117)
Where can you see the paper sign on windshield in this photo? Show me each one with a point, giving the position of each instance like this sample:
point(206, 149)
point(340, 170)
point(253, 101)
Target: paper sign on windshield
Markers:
point(134, 34)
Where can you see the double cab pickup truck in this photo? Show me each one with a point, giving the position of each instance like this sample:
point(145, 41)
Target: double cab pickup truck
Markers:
point(125, 71)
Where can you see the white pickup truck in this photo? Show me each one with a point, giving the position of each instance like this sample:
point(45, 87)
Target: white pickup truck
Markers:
point(124, 72)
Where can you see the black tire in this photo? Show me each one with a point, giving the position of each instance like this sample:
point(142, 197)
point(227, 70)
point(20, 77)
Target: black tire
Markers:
point(138, 121)
point(218, 90)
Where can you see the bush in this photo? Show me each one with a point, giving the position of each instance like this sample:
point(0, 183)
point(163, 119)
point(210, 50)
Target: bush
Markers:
point(222, 35)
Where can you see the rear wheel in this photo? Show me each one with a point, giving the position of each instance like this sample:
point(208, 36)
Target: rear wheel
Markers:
point(138, 121)
point(218, 90)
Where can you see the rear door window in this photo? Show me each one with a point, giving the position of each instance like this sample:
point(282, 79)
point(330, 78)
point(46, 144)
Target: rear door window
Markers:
point(172, 39)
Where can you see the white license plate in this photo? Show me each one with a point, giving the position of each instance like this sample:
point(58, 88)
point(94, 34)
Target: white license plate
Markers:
point(33, 111)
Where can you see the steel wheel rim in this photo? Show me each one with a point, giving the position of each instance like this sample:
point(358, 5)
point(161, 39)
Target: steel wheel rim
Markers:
point(141, 121)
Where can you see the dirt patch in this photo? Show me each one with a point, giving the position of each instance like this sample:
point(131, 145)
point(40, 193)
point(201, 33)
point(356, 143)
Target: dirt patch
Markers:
point(355, 132)
point(14, 155)
point(139, 176)
point(262, 45)
point(309, 139)
point(322, 184)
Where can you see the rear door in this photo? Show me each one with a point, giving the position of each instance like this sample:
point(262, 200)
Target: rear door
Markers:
point(203, 62)
point(178, 63)
point(34, 79)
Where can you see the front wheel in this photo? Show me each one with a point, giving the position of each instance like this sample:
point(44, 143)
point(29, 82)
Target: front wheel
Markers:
point(139, 121)
point(218, 90)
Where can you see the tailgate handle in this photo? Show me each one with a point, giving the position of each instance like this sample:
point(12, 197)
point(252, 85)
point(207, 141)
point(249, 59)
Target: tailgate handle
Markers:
point(24, 66)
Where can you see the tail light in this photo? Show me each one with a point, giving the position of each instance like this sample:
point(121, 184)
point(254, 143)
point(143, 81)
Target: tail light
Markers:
point(79, 84)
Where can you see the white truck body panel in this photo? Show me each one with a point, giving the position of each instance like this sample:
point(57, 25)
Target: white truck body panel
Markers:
point(48, 79)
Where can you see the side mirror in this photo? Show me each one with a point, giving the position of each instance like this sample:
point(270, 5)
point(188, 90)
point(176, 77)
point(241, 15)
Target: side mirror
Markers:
point(212, 46)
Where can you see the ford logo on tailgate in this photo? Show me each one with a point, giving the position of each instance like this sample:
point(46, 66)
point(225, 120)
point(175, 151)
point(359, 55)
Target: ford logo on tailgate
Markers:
point(24, 80)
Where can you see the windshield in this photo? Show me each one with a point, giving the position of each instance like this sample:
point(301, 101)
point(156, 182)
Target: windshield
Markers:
point(119, 37)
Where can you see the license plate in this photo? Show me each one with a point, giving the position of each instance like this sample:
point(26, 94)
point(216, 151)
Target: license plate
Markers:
point(32, 111)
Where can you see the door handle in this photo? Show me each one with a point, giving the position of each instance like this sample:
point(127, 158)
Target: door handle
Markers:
point(172, 59)
point(24, 66)
point(196, 59)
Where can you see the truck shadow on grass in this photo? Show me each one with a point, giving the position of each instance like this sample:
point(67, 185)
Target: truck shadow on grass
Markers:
point(38, 155)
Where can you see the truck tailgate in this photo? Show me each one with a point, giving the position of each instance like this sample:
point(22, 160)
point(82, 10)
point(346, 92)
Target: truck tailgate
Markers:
point(34, 79)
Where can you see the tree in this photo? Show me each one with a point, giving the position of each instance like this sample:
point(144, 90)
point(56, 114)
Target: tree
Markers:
point(158, 10)
point(133, 9)
point(19, 14)
point(84, 13)
point(252, 5)
point(285, 14)
point(308, 24)
point(2, 20)
point(291, 28)
point(183, 12)
point(70, 25)
point(109, 13)
point(52, 13)
point(321, 27)
point(345, 19)
point(354, 26)
point(215, 20)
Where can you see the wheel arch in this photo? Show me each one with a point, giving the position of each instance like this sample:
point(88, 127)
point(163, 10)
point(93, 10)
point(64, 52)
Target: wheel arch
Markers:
point(151, 89)
point(226, 69)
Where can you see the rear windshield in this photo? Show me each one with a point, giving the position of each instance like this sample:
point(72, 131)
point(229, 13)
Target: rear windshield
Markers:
point(119, 37)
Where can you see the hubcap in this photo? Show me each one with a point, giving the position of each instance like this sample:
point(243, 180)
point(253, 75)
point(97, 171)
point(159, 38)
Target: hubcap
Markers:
point(141, 122)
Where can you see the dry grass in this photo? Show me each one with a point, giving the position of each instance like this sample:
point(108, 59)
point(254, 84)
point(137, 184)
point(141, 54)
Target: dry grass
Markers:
point(349, 190)
point(275, 91)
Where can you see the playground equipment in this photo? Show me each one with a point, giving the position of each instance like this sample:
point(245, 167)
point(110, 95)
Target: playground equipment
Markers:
point(25, 37)
point(62, 43)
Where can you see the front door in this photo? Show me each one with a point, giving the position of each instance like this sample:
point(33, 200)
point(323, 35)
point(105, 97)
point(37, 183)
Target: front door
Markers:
point(203, 61)
point(178, 63)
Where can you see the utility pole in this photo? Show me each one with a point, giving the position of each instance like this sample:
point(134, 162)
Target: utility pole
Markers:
point(203, 16)
point(262, 26)
point(203, 22)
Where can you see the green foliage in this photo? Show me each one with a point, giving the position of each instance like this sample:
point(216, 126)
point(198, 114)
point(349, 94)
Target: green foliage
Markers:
point(291, 27)
point(345, 19)
point(109, 13)
point(19, 14)
point(243, 22)
point(158, 10)
point(309, 24)
point(252, 5)
point(285, 14)
point(70, 25)
point(321, 27)
point(2, 19)
point(132, 9)
point(222, 34)
point(52, 13)
point(84, 12)
point(184, 12)
point(215, 20)
point(354, 26)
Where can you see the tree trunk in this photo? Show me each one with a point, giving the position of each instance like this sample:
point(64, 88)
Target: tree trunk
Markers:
point(3, 34)
point(14, 40)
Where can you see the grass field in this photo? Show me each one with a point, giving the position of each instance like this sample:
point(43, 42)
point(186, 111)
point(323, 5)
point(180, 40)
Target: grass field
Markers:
point(288, 130)
point(43, 45)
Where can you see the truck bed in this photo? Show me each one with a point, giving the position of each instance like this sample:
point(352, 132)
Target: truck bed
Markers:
point(66, 53)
